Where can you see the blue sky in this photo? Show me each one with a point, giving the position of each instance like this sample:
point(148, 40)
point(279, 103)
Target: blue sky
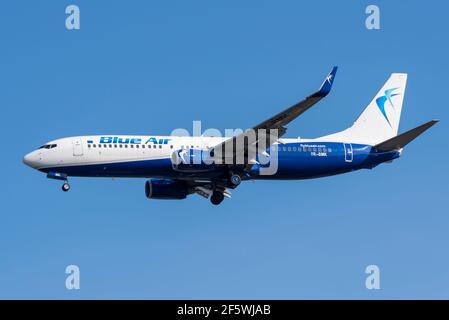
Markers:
point(148, 67)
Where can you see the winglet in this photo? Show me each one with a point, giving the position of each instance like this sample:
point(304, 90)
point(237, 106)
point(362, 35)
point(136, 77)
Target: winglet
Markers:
point(327, 83)
point(403, 139)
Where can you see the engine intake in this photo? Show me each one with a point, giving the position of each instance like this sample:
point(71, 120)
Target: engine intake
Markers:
point(166, 189)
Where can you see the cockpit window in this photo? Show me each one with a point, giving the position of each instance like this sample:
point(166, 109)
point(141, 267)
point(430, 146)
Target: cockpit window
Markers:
point(48, 146)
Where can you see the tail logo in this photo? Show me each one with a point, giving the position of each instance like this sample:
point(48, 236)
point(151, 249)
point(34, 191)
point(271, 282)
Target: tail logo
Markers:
point(387, 97)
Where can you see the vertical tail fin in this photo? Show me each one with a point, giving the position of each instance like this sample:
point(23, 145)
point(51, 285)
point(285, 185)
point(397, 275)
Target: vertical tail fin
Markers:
point(380, 119)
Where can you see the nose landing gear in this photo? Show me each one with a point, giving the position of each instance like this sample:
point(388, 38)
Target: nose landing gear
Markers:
point(60, 176)
point(65, 187)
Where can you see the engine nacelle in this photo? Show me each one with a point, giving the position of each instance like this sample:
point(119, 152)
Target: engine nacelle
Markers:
point(166, 189)
point(192, 160)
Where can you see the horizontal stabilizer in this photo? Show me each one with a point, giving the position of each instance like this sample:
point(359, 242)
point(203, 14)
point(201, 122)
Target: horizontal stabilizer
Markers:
point(403, 139)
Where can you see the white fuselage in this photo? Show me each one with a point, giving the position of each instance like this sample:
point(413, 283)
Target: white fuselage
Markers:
point(98, 149)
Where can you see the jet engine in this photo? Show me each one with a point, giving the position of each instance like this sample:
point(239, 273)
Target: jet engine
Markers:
point(166, 189)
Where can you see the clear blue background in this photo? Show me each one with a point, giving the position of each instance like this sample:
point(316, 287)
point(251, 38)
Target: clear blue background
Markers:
point(148, 67)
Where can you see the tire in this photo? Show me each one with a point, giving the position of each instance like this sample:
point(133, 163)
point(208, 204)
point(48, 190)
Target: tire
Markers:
point(216, 198)
point(65, 187)
point(235, 179)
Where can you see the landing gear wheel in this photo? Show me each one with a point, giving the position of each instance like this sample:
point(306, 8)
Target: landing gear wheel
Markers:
point(65, 187)
point(216, 198)
point(235, 179)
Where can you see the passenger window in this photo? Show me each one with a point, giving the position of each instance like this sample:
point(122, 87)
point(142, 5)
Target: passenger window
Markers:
point(89, 146)
point(120, 146)
point(99, 146)
point(154, 146)
point(137, 146)
point(132, 146)
point(115, 146)
point(294, 148)
point(171, 146)
point(126, 146)
point(160, 146)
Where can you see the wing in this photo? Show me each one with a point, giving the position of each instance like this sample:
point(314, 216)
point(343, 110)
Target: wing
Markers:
point(285, 117)
point(271, 129)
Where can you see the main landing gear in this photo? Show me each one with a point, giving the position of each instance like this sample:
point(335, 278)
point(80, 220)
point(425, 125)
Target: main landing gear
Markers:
point(219, 193)
point(216, 198)
point(235, 179)
point(65, 187)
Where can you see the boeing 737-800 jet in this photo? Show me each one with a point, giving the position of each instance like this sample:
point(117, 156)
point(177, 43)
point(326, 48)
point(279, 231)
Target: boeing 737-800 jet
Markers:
point(176, 166)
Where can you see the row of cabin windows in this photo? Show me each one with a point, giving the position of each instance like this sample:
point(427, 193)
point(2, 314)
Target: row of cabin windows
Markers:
point(132, 146)
point(138, 146)
point(285, 149)
point(303, 149)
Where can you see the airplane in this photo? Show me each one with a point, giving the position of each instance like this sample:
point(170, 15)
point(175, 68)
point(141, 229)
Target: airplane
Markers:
point(171, 163)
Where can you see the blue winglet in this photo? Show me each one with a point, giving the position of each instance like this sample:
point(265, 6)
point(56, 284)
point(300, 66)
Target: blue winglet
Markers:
point(327, 84)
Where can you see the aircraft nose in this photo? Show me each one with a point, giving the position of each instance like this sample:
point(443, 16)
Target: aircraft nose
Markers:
point(31, 159)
